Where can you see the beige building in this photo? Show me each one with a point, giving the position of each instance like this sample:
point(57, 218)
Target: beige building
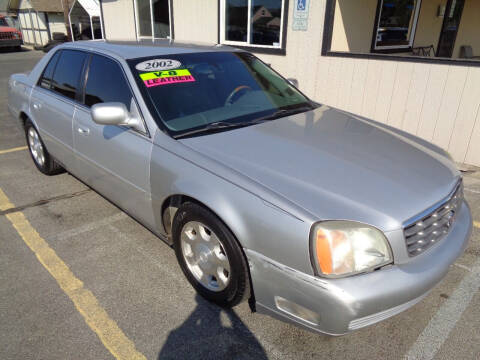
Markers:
point(407, 63)
point(38, 19)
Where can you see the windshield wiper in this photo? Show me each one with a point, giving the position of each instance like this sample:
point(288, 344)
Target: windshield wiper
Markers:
point(286, 112)
point(220, 125)
point(217, 125)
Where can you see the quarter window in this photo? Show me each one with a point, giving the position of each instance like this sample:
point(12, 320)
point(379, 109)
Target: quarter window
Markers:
point(66, 78)
point(256, 23)
point(46, 79)
point(106, 83)
point(153, 19)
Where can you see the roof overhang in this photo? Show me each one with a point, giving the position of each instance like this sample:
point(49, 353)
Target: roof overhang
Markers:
point(92, 7)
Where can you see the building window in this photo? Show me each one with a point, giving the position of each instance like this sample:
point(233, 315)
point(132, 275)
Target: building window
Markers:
point(396, 24)
point(254, 23)
point(410, 30)
point(154, 19)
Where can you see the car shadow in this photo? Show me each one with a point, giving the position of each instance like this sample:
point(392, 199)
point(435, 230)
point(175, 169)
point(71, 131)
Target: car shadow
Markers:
point(211, 332)
point(4, 50)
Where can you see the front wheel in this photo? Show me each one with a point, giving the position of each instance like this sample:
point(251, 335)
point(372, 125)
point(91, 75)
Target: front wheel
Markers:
point(42, 159)
point(210, 256)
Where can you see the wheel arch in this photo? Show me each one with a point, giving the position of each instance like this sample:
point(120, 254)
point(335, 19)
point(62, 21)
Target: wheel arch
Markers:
point(23, 117)
point(169, 208)
point(171, 204)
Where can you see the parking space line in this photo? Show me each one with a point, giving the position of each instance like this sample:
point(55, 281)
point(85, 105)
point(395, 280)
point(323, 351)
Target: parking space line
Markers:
point(87, 305)
point(438, 329)
point(13, 150)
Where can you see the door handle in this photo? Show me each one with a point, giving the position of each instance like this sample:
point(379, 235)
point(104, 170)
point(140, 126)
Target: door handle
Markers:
point(83, 131)
point(37, 106)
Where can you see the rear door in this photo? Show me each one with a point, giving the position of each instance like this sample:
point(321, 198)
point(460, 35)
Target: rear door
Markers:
point(114, 160)
point(53, 103)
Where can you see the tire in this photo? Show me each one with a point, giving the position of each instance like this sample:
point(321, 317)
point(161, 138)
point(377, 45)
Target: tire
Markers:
point(40, 156)
point(18, 48)
point(226, 293)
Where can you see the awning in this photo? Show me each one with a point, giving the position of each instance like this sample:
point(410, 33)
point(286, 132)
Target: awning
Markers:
point(85, 11)
point(92, 7)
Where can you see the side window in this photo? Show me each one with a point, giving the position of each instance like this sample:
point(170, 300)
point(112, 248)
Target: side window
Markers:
point(106, 83)
point(66, 78)
point(46, 79)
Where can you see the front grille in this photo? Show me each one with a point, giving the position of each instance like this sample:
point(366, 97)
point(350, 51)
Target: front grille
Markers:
point(5, 35)
point(428, 228)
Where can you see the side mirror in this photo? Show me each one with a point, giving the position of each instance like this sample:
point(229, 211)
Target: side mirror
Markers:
point(294, 82)
point(114, 113)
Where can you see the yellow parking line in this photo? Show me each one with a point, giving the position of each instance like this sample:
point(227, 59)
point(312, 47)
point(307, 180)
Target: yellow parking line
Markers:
point(95, 316)
point(13, 150)
point(476, 224)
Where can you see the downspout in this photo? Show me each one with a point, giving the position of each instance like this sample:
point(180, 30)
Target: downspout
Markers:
point(101, 19)
point(70, 20)
point(66, 19)
point(91, 27)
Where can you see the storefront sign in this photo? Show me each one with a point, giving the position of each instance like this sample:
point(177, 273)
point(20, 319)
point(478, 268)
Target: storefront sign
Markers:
point(300, 15)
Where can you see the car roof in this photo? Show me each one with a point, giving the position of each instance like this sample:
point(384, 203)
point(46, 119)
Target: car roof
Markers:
point(145, 48)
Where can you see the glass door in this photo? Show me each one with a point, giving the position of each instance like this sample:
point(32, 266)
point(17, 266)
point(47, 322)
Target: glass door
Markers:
point(451, 22)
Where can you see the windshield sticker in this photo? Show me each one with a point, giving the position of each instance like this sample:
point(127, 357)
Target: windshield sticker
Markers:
point(158, 64)
point(156, 78)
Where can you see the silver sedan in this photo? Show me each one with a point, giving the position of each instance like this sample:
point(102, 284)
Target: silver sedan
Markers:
point(314, 215)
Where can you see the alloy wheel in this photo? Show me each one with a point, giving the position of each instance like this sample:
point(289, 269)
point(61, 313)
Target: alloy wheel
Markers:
point(205, 256)
point(36, 147)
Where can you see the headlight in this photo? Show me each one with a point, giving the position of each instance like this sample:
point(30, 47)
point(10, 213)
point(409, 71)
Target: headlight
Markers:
point(341, 248)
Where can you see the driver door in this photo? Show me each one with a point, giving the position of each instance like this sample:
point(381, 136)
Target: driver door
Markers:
point(114, 160)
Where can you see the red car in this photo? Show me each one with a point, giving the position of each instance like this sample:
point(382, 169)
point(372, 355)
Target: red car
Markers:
point(9, 36)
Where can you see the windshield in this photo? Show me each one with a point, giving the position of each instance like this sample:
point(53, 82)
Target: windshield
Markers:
point(192, 91)
point(11, 22)
point(3, 22)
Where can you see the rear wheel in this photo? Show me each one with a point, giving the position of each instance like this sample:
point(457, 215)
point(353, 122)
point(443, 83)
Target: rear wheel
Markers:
point(210, 256)
point(42, 159)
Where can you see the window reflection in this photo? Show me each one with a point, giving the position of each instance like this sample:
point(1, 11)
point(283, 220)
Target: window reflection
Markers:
point(144, 19)
point(161, 18)
point(396, 22)
point(266, 22)
point(236, 20)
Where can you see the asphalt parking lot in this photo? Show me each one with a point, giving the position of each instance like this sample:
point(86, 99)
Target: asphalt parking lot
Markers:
point(79, 279)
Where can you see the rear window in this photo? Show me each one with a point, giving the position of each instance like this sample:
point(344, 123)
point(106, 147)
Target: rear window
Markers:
point(66, 78)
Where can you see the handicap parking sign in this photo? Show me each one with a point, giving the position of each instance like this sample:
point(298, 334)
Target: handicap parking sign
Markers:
point(300, 15)
point(300, 11)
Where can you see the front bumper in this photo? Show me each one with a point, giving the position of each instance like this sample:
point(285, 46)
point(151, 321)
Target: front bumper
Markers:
point(343, 305)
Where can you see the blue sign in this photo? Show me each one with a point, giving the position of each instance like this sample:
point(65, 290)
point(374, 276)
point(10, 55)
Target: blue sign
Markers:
point(300, 15)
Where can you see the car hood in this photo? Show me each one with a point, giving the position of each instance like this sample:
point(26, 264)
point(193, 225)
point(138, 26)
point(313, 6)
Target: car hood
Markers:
point(8, 29)
point(337, 166)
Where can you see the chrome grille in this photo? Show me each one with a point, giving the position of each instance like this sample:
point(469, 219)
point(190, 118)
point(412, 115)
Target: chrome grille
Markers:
point(6, 35)
point(427, 229)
